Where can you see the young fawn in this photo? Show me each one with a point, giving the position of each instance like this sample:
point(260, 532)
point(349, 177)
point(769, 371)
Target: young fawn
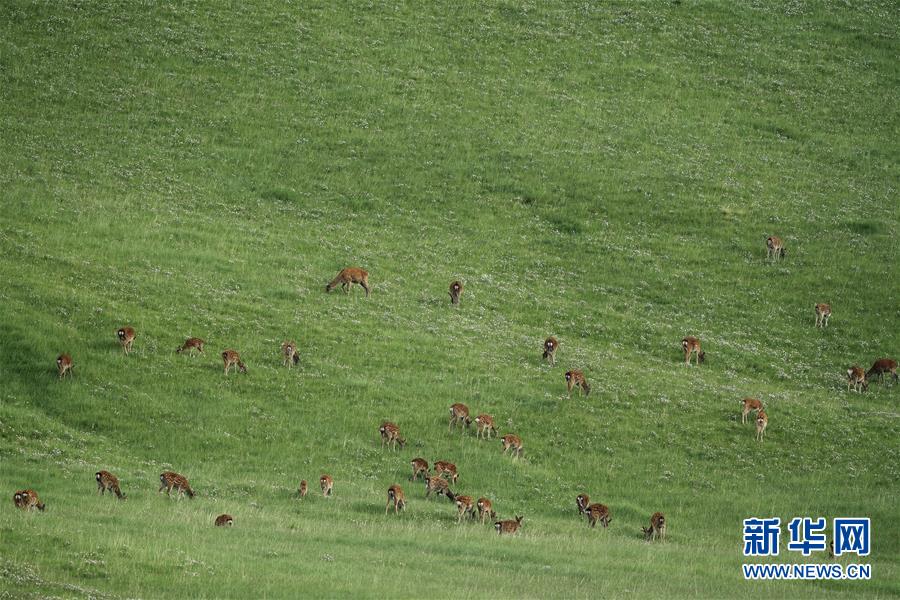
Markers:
point(882, 366)
point(442, 467)
point(485, 510)
point(582, 501)
point(126, 338)
point(232, 358)
point(64, 365)
point(390, 435)
point(774, 247)
point(395, 497)
point(484, 426)
point(856, 378)
point(290, 354)
point(28, 500)
point(598, 512)
point(823, 311)
point(691, 345)
point(170, 480)
point(327, 484)
point(459, 416)
point(225, 520)
point(191, 344)
point(762, 420)
point(750, 404)
point(512, 441)
point(108, 481)
point(508, 527)
point(303, 489)
point(550, 346)
point(347, 277)
point(576, 378)
point(657, 529)
point(456, 290)
point(438, 485)
point(465, 507)
point(419, 465)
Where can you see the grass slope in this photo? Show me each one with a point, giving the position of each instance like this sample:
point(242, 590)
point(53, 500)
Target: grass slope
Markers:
point(607, 173)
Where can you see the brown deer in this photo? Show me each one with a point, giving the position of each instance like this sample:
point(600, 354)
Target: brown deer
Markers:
point(459, 416)
point(485, 509)
point(390, 435)
point(108, 481)
point(456, 290)
point(303, 489)
point(691, 345)
point(225, 520)
point(395, 497)
point(465, 507)
point(774, 247)
point(191, 344)
point(882, 366)
point(28, 500)
point(290, 354)
point(438, 485)
point(508, 527)
point(347, 277)
point(582, 501)
point(512, 441)
point(232, 358)
point(327, 484)
point(575, 378)
point(657, 529)
point(550, 347)
point(484, 426)
point(598, 512)
point(762, 421)
point(170, 480)
point(442, 467)
point(750, 404)
point(856, 378)
point(64, 365)
point(126, 338)
point(419, 465)
point(823, 311)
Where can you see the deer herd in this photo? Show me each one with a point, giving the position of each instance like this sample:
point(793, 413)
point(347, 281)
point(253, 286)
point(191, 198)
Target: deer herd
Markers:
point(446, 473)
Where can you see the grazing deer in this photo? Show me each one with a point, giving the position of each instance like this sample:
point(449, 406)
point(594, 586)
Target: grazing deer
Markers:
point(303, 489)
point(390, 435)
point(823, 311)
point(126, 338)
point(225, 520)
point(484, 426)
point(508, 527)
point(438, 485)
point(598, 512)
point(550, 346)
point(774, 247)
point(28, 500)
point(575, 378)
point(232, 358)
point(327, 484)
point(882, 366)
point(583, 501)
point(290, 354)
point(419, 465)
point(191, 344)
point(108, 481)
point(456, 290)
point(465, 506)
point(347, 277)
point(512, 441)
point(750, 404)
point(459, 416)
point(657, 529)
point(395, 497)
point(762, 420)
point(485, 509)
point(442, 467)
point(856, 378)
point(691, 345)
point(170, 480)
point(64, 365)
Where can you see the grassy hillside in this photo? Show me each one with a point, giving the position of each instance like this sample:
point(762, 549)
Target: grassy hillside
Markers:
point(606, 173)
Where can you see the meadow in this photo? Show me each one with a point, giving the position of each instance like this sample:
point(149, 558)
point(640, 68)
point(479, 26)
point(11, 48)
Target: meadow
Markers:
point(603, 172)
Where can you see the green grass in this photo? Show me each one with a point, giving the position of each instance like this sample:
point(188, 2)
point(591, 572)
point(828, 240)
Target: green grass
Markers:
point(603, 172)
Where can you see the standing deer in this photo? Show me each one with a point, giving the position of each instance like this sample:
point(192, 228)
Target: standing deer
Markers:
point(750, 404)
point(419, 465)
point(395, 497)
point(774, 247)
point(191, 344)
point(512, 441)
point(289, 354)
point(657, 529)
point(484, 425)
point(64, 365)
point(762, 420)
point(823, 311)
point(856, 378)
point(327, 484)
point(575, 378)
point(390, 435)
point(598, 512)
point(508, 527)
point(485, 509)
point(232, 358)
point(456, 290)
point(691, 345)
point(882, 366)
point(550, 347)
point(347, 277)
point(126, 338)
point(459, 416)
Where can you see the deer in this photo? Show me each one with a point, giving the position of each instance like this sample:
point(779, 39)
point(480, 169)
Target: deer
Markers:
point(303, 489)
point(327, 484)
point(289, 354)
point(762, 420)
point(225, 520)
point(442, 467)
point(108, 481)
point(691, 345)
point(657, 529)
point(485, 509)
point(395, 497)
point(28, 500)
point(170, 480)
point(750, 404)
point(582, 501)
point(598, 512)
point(774, 247)
point(856, 378)
point(64, 365)
point(419, 465)
point(512, 441)
point(191, 344)
point(347, 277)
point(465, 507)
point(456, 290)
point(484, 426)
point(823, 311)
point(390, 435)
point(550, 347)
point(437, 485)
point(882, 366)
point(459, 416)
point(126, 338)
point(232, 358)
point(575, 378)
point(508, 527)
